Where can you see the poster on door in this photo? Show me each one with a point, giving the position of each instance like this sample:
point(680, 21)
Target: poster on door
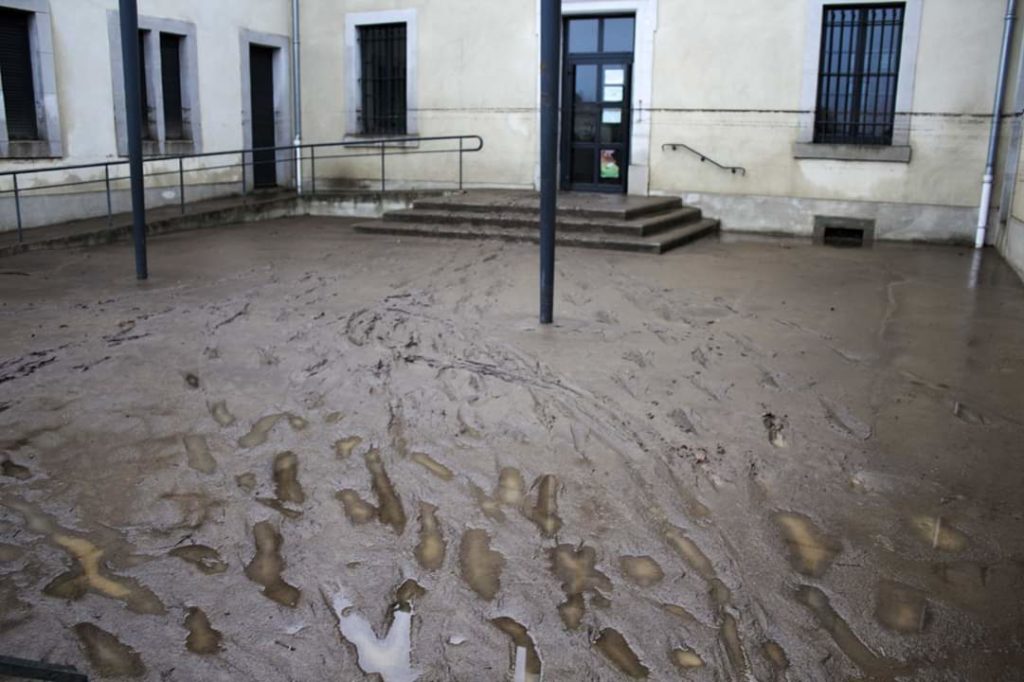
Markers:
point(609, 165)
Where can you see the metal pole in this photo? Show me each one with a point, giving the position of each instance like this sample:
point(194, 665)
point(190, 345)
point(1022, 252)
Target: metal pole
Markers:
point(181, 183)
point(17, 204)
point(383, 185)
point(245, 186)
point(312, 168)
point(997, 115)
point(550, 58)
point(129, 12)
point(110, 205)
point(460, 164)
point(297, 104)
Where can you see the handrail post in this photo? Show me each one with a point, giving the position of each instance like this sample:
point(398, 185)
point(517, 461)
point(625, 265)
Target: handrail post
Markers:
point(244, 183)
point(110, 206)
point(17, 204)
point(181, 183)
point(312, 170)
point(460, 164)
point(383, 184)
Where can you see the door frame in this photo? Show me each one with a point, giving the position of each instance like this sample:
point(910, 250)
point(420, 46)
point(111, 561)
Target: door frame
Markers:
point(284, 131)
point(646, 13)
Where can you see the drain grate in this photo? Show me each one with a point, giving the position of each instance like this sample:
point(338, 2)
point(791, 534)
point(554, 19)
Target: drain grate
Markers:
point(843, 232)
point(844, 237)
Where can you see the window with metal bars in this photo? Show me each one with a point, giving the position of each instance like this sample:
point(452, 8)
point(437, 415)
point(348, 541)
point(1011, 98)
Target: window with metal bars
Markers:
point(170, 76)
point(382, 82)
point(16, 75)
point(858, 73)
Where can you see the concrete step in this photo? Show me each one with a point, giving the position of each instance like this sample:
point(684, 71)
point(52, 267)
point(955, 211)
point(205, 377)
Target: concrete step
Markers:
point(658, 243)
point(641, 226)
point(591, 205)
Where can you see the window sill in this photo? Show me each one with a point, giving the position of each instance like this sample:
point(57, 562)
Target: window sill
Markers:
point(29, 149)
point(391, 141)
point(852, 152)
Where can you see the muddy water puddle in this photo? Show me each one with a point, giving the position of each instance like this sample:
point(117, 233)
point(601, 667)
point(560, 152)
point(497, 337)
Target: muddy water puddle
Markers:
point(344, 447)
point(641, 570)
point(901, 608)
point(811, 551)
point(481, 566)
point(686, 659)
point(108, 656)
point(617, 650)
point(221, 414)
point(433, 466)
point(526, 663)
point(939, 533)
point(431, 548)
point(389, 504)
point(576, 568)
point(203, 638)
point(206, 559)
point(266, 567)
point(260, 431)
point(10, 469)
point(199, 456)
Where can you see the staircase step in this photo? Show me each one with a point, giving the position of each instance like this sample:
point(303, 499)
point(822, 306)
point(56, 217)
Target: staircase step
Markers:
point(642, 226)
point(658, 243)
point(590, 205)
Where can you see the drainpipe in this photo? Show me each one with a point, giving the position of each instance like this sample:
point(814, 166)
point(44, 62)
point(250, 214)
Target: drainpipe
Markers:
point(297, 93)
point(997, 113)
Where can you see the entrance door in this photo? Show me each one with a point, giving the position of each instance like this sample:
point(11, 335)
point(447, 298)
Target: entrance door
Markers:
point(261, 81)
point(596, 110)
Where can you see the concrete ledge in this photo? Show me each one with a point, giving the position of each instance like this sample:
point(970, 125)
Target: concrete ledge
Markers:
point(851, 152)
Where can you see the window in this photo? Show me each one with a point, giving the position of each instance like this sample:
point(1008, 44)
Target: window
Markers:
point(16, 75)
point(170, 79)
point(382, 50)
point(147, 113)
point(858, 74)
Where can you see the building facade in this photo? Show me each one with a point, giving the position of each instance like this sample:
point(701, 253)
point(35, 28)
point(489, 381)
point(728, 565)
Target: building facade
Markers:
point(876, 111)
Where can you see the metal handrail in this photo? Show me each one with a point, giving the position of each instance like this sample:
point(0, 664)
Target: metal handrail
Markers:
point(735, 170)
point(382, 147)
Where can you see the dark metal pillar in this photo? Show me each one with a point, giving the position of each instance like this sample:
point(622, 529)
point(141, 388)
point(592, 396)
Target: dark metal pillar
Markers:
point(129, 12)
point(550, 60)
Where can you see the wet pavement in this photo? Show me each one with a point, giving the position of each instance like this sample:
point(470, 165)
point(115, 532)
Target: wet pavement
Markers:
point(299, 453)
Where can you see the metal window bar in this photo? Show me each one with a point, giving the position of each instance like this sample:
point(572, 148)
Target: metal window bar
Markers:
point(858, 74)
point(383, 79)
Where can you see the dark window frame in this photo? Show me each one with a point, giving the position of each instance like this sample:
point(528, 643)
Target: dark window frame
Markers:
point(383, 79)
point(17, 72)
point(846, 78)
point(176, 126)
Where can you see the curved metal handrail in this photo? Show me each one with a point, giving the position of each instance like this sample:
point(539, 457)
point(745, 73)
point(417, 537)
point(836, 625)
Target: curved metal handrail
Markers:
point(735, 170)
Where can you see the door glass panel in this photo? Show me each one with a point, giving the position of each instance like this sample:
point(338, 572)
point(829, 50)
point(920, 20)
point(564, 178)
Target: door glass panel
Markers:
point(584, 124)
point(611, 170)
point(618, 35)
point(586, 83)
point(583, 165)
point(612, 93)
point(612, 129)
point(583, 35)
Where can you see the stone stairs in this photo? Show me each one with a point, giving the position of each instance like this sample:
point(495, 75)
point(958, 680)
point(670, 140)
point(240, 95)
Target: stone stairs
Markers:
point(600, 221)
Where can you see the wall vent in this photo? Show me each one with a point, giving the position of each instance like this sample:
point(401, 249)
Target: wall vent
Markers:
point(843, 232)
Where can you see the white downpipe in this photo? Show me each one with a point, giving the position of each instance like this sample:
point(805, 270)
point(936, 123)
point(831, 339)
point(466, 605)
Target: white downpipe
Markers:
point(297, 104)
point(983, 211)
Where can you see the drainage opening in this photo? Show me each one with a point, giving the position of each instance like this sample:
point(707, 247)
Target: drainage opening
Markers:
point(843, 237)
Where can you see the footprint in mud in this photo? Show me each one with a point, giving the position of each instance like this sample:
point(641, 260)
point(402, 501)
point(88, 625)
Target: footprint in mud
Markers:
point(938, 533)
point(407, 593)
point(481, 566)
point(260, 431)
point(641, 570)
point(901, 608)
point(358, 510)
point(195, 509)
point(686, 659)
point(510, 492)
point(221, 414)
point(16, 471)
point(246, 481)
point(286, 478)
point(433, 466)
point(389, 504)
point(690, 553)
point(333, 417)
point(431, 549)
point(526, 664)
point(617, 650)
point(576, 568)
point(344, 446)
point(811, 552)
point(777, 659)
point(266, 567)
point(198, 452)
point(107, 655)
point(545, 512)
point(202, 638)
point(88, 575)
point(776, 427)
point(206, 559)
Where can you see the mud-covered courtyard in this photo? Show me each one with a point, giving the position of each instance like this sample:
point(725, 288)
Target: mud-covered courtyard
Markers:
point(298, 453)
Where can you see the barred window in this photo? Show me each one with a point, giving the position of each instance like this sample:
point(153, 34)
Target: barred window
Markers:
point(858, 73)
point(383, 81)
point(16, 75)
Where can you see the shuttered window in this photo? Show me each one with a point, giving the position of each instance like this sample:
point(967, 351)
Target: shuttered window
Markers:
point(383, 82)
point(16, 75)
point(147, 127)
point(170, 72)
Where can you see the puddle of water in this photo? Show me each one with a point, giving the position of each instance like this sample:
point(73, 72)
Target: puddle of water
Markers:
point(390, 656)
point(389, 504)
point(681, 613)
point(576, 568)
point(202, 638)
point(206, 559)
point(686, 659)
point(572, 610)
point(266, 567)
point(545, 512)
point(617, 650)
point(691, 553)
point(260, 431)
point(11, 470)
point(433, 466)
point(480, 565)
point(333, 417)
point(344, 446)
point(88, 574)
point(199, 457)
point(296, 422)
point(431, 549)
point(730, 636)
point(777, 659)
point(358, 510)
point(848, 642)
point(408, 592)
point(195, 508)
point(900, 608)
point(811, 552)
point(529, 668)
point(511, 490)
point(488, 505)
point(107, 655)
point(246, 482)
point(221, 414)
point(642, 570)
point(938, 533)
point(286, 478)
